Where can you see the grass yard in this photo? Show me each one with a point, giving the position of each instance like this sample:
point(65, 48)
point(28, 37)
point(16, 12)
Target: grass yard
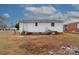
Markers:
point(13, 44)
point(72, 36)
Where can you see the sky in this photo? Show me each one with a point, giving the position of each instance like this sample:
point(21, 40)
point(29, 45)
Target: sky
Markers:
point(12, 13)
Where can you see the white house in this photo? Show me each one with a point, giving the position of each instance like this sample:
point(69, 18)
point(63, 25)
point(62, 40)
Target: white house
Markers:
point(41, 25)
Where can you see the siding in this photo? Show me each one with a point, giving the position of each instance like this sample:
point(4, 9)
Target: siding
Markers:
point(42, 27)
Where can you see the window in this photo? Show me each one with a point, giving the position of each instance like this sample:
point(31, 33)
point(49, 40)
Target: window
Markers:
point(52, 24)
point(36, 24)
point(77, 25)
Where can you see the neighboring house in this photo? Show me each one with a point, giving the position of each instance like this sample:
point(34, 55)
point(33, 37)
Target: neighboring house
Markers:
point(41, 25)
point(72, 27)
point(12, 28)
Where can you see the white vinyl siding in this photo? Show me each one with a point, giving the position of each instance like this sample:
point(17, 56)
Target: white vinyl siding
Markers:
point(41, 27)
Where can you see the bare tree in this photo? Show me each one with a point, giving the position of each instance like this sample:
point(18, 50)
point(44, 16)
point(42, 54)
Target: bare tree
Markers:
point(2, 19)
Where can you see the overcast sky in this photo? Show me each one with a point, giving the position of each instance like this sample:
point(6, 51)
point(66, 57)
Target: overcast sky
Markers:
point(13, 13)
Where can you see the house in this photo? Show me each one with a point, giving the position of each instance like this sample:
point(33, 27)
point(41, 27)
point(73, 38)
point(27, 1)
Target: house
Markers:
point(41, 25)
point(72, 27)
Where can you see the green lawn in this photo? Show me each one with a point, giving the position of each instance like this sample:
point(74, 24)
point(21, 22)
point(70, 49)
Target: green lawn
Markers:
point(71, 36)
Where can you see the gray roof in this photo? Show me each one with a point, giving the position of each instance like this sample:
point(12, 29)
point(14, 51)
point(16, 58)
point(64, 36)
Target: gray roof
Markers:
point(41, 21)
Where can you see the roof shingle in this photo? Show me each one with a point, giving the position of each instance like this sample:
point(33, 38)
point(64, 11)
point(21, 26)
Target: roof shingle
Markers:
point(41, 21)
